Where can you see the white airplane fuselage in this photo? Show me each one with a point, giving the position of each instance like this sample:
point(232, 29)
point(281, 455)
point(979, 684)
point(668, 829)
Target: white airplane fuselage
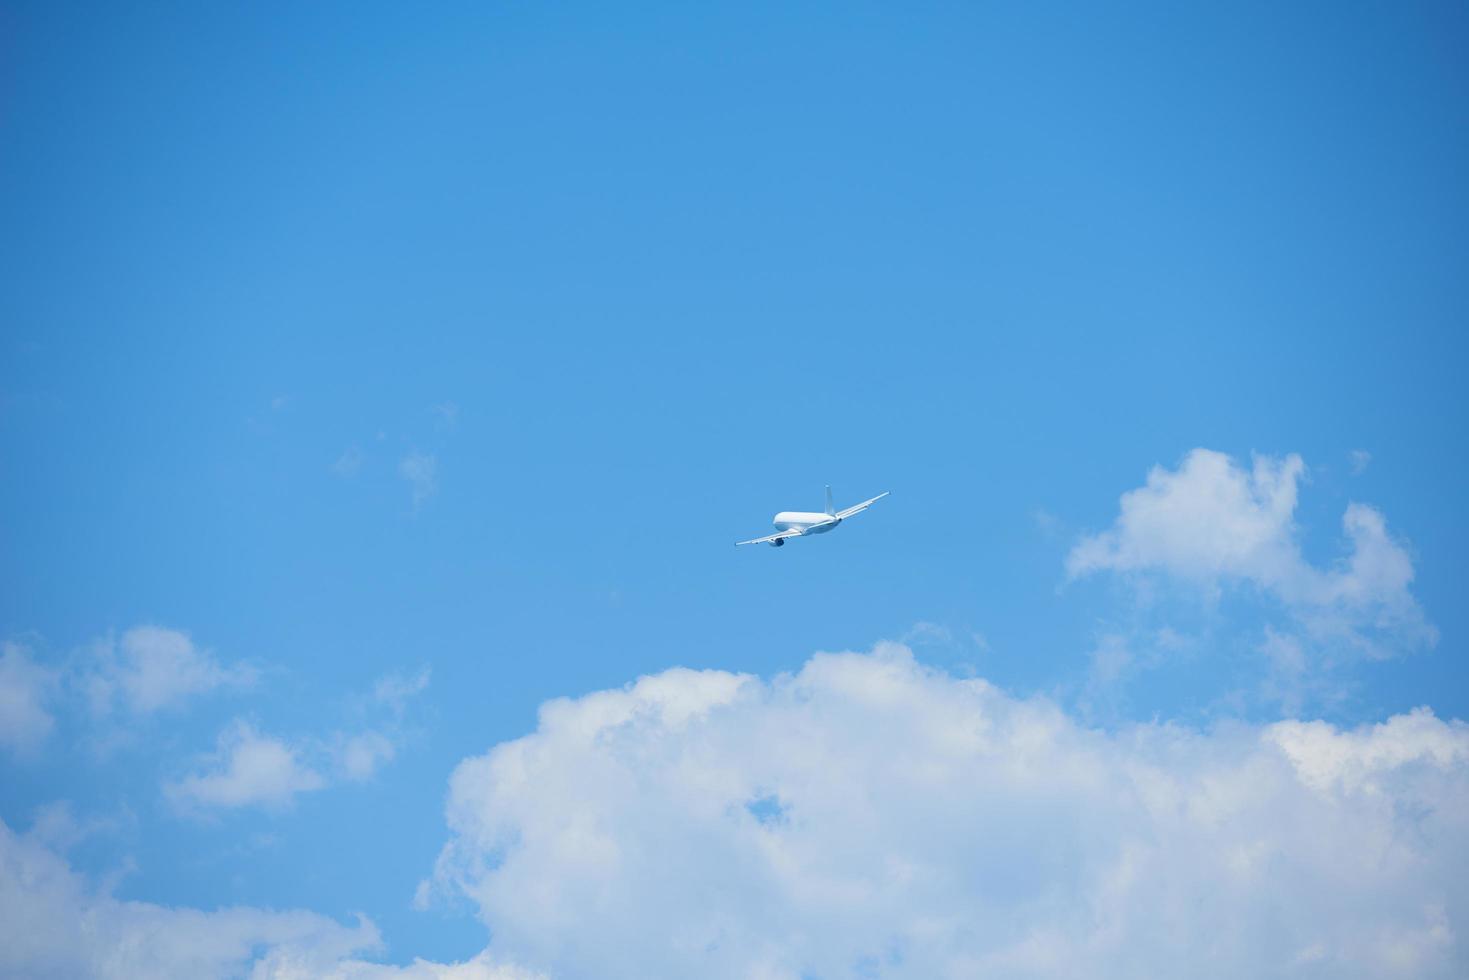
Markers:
point(800, 520)
point(798, 523)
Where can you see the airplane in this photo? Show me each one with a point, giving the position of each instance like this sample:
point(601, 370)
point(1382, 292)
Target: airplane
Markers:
point(795, 523)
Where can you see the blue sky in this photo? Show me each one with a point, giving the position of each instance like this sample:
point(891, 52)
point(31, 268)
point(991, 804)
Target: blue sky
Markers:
point(421, 367)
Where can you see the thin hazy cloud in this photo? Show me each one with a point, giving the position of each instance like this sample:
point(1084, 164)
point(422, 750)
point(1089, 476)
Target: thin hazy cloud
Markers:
point(421, 472)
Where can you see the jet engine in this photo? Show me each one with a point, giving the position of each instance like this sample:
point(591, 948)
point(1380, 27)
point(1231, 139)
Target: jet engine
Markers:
point(778, 543)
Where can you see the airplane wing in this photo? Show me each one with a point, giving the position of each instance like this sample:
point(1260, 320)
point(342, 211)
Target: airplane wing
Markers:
point(772, 537)
point(859, 508)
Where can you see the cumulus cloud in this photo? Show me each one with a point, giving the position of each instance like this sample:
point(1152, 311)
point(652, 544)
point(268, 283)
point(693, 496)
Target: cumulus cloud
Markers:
point(1214, 523)
point(1207, 519)
point(54, 923)
point(26, 688)
point(868, 816)
point(248, 769)
point(151, 668)
point(421, 472)
point(481, 967)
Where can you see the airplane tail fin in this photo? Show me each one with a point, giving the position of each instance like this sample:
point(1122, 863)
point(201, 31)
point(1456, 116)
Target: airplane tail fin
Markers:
point(830, 510)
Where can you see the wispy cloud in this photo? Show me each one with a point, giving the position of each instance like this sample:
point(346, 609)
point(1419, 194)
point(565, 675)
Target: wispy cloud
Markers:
point(359, 752)
point(349, 462)
point(152, 668)
point(249, 768)
point(1048, 523)
point(26, 692)
point(421, 472)
point(57, 825)
point(361, 755)
point(58, 923)
point(394, 691)
point(108, 687)
point(447, 414)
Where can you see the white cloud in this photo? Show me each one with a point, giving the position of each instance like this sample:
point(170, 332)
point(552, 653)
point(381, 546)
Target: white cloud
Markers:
point(1370, 760)
point(54, 923)
point(1359, 459)
point(152, 668)
point(148, 670)
point(393, 691)
point(478, 968)
point(1214, 523)
point(871, 817)
point(56, 825)
point(421, 472)
point(248, 769)
point(1209, 518)
point(361, 755)
point(26, 689)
